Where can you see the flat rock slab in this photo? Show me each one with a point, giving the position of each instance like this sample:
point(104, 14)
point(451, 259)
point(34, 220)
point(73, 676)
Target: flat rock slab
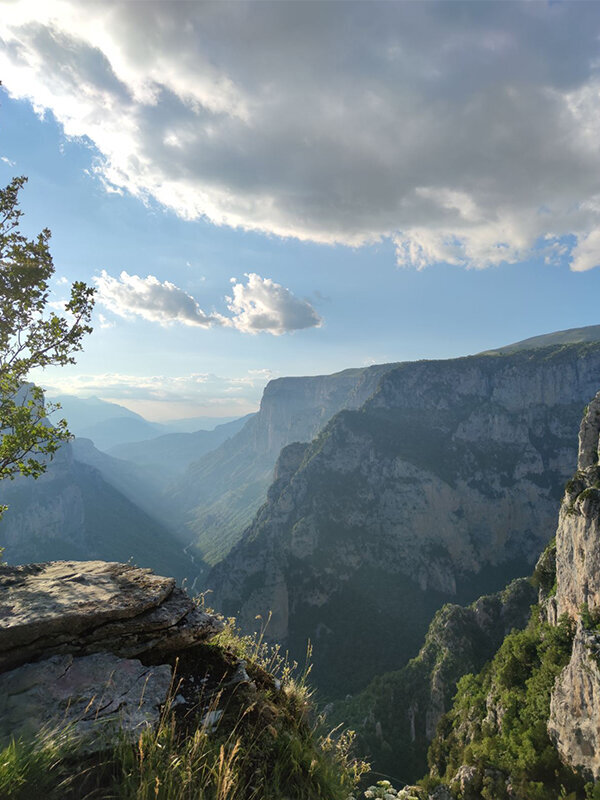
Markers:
point(84, 607)
point(46, 599)
point(92, 696)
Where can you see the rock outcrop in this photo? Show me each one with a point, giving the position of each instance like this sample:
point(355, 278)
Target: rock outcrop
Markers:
point(574, 723)
point(82, 643)
point(443, 486)
point(578, 534)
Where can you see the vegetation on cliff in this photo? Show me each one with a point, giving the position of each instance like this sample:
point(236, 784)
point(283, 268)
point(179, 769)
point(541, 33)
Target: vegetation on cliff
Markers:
point(396, 715)
point(498, 723)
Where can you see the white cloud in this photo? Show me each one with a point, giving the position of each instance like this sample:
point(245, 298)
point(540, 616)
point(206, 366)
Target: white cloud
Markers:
point(464, 137)
point(586, 253)
point(165, 303)
point(263, 305)
point(8, 161)
point(105, 323)
point(259, 305)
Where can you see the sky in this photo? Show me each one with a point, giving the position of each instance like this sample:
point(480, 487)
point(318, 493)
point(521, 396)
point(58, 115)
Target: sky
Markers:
point(259, 189)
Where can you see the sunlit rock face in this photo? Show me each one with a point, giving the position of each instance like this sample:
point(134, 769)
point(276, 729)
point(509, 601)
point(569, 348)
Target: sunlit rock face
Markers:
point(88, 607)
point(574, 723)
point(442, 486)
point(578, 535)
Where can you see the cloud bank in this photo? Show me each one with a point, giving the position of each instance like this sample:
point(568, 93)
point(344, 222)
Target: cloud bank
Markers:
point(260, 305)
point(466, 133)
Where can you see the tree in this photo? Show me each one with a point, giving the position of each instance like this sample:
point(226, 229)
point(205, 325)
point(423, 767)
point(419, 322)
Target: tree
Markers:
point(30, 337)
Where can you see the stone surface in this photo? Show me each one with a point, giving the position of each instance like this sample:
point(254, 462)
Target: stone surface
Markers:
point(38, 599)
point(91, 697)
point(441, 793)
point(588, 435)
point(578, 534)
point(85, 607)
point(574, 724)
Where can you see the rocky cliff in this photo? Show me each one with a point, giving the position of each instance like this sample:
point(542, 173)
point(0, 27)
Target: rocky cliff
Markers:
point(222, 491)
point(115, 683)
point(575, 707)
point(71, 634)
point(528, 725)
point(442, 486)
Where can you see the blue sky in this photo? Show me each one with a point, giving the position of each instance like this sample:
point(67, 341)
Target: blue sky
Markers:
point(381, 182)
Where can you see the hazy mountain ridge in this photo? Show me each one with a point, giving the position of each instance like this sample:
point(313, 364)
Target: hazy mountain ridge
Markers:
point(443, 486)
point(71, 512)
point(109, 424)
point(170, 454)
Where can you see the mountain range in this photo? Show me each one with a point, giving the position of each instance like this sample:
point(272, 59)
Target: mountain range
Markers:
point(441, 486)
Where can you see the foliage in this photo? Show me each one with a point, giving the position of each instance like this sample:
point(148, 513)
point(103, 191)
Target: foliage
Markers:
point(393, 714)
point(544, 574)
point(499, 718)
point(31, 338)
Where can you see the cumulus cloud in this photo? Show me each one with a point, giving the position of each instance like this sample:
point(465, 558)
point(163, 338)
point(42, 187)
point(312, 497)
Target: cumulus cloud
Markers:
point(586, 254)
point(263, 305)
point(466, 133)
point(165, 303)
point(259, 305)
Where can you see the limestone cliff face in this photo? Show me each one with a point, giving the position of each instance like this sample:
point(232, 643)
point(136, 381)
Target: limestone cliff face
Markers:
point(222, 491)
point(578, 534)
point(575, 708)
point(443, 485)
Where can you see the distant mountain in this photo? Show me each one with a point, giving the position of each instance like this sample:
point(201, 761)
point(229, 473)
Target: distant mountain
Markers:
point(168, 456)
point(71, 512)
point(84, 412)
point(110, 424)
point(106, 424)
point(144, 486)
point(220, 493)
point(591, 333)
point(192, 424)
point(442, 486)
